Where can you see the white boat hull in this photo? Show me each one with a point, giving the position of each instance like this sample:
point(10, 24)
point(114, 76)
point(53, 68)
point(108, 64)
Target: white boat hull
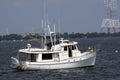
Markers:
point(61, 65)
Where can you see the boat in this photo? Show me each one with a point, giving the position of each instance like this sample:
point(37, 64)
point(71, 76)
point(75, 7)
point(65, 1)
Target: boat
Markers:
point(58, 54)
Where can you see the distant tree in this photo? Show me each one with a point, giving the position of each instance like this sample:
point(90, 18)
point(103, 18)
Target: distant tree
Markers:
point(59, 35)
point(12, 37)
point(66, 35)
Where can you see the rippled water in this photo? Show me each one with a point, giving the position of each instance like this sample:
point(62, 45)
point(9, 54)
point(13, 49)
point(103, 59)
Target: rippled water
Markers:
point(106, 68)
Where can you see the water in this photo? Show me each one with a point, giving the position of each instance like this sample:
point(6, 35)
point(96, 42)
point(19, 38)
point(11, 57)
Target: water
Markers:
point(106, 68)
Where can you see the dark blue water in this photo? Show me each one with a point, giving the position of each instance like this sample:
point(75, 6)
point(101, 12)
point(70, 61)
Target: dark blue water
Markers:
point(107, 62)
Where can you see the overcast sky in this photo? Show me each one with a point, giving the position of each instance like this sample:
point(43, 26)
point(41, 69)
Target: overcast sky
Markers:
point(25, 16)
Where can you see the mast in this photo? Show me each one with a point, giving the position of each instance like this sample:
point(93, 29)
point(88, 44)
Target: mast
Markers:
point(50, 34)
point(46, 29)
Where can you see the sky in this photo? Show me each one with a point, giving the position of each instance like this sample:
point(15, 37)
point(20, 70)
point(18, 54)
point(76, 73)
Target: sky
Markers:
point(25, 16)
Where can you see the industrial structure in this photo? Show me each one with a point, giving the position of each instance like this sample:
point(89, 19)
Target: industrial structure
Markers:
point(111, 19)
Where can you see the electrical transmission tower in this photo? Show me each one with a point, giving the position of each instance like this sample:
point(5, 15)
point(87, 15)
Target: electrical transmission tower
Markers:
point(111, 19)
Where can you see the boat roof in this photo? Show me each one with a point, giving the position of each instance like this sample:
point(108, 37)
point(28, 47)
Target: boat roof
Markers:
point(37, 51)
point(63, 43)
point(68, 43)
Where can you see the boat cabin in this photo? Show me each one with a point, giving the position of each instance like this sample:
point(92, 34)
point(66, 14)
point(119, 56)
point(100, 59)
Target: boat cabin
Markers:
point(62, 51)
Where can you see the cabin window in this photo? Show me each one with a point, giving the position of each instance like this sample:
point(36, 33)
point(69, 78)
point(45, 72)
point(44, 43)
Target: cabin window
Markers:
point(33, 57)
point(65, 48)
point(73, 47)
point(46, 56)
point(28, 57)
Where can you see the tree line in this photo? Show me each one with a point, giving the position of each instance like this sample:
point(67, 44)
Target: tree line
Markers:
point(64, 35)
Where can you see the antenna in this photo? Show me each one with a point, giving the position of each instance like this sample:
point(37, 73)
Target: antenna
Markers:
point(42, 45)
point(54, 35)
point(59, 29)
point(7, 31)
point(44, 24)
point(33, 30)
